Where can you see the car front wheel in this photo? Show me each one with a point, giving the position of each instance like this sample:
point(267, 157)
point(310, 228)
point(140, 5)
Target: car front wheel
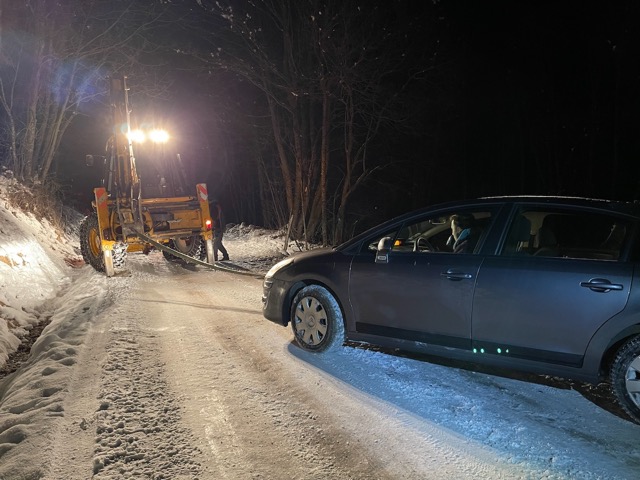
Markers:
point(625, 378)
point(316, 320)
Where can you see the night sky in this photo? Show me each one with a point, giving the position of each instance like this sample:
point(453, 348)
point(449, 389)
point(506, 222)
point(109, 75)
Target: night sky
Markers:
point(551, 95)
point(527, 98)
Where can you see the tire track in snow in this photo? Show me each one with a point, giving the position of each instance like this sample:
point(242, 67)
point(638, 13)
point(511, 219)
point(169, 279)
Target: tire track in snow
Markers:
point(271, 412)
point(138, 426)
point(256, 424)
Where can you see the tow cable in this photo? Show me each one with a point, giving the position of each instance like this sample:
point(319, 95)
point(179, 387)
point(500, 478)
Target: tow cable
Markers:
point(215, 266)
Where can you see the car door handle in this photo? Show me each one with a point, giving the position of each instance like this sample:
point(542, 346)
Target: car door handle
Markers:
point(601, 285)
point(453, 275)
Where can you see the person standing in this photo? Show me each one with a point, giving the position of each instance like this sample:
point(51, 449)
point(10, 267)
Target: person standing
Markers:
point(217, 218)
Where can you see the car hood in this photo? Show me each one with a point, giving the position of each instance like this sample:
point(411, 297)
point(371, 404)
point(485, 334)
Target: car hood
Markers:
point(316, 252)
point(300, 258)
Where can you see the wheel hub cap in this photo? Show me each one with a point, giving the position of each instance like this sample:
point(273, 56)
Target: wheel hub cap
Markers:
point(633, 380)
point(310, 322)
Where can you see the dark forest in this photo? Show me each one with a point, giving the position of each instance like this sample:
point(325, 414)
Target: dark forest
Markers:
point(344, 114)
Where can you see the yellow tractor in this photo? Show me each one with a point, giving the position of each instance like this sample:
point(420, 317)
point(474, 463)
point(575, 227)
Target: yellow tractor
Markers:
point(132, 216)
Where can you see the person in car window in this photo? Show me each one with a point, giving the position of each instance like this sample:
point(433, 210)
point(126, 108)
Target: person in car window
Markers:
point(463, 235)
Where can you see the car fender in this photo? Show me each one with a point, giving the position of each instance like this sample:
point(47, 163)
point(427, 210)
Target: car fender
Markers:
point(622, 325)
point(329, 269)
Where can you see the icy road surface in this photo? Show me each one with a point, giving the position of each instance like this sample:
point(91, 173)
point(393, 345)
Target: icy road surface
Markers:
point(171, 372)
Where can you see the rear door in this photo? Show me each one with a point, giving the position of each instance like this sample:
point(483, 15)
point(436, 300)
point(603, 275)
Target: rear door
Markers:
point(544, 298)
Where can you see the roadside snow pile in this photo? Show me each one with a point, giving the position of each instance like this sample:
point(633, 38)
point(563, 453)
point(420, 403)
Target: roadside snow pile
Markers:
point(32, 268)
point(258, 249)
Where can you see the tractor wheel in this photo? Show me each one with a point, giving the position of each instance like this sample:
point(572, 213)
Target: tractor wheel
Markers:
point(191, 246)
point(203, 251)
point(119, 255)
point(90, 244)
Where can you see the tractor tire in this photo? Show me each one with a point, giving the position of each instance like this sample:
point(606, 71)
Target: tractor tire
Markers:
point(91, 246)
point(192, 246)
point(119, 255)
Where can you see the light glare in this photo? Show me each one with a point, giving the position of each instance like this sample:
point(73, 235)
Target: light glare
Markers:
point(159, 136)
point(137, 136)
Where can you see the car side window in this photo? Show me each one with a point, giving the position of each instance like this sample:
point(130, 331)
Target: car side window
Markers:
point(566, 233)
point(451, 232)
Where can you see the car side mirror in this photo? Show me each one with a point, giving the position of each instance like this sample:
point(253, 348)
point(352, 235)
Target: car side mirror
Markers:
point(384, 247)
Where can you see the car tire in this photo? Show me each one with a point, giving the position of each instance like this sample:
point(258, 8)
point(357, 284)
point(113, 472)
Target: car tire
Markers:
point(625, 378)
point(316, 320)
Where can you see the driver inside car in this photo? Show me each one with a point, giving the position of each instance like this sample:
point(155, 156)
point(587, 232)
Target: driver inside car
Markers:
point(463, 237)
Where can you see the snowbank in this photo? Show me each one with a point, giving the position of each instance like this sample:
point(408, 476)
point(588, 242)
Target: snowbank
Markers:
point(32, 269)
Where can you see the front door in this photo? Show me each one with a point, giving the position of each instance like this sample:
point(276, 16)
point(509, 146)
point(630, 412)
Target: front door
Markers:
point(423, 291)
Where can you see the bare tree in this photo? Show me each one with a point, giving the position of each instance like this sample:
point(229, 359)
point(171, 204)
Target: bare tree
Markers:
point(332, 73)
point(53, 56)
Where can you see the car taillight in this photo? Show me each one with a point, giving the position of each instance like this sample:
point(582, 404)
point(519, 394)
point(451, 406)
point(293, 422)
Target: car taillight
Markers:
point(207, 224)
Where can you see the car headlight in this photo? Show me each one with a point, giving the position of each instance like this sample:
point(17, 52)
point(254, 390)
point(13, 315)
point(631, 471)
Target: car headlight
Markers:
point(279, 266)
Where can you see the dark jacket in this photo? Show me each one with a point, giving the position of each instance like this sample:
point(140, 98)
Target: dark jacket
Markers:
point(466, 241)
point(217, 218)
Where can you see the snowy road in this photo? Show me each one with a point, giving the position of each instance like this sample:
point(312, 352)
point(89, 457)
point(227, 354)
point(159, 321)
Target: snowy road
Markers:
point(178, 376)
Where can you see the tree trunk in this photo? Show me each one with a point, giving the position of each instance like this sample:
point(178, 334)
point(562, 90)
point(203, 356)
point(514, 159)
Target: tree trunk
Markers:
point(324, 161)
point(29, 140)
point(282, 156)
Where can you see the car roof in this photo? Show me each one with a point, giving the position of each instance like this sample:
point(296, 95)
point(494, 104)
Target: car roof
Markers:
point(626, 208)
point(631, 208)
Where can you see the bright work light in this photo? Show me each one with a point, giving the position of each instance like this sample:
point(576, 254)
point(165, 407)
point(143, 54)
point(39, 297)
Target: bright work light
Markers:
point(159, 136)
point(155, 136)
point(137, 136)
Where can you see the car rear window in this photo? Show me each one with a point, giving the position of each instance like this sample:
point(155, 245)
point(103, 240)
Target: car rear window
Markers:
point(567, 234)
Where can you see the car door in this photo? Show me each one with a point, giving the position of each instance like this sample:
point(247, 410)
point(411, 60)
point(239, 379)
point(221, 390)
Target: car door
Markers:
point(420, 290)
point(548, 291)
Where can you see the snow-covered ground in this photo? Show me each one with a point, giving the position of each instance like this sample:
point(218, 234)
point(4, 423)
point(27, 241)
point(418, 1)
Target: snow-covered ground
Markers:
point(535, 431)
point(37, 262)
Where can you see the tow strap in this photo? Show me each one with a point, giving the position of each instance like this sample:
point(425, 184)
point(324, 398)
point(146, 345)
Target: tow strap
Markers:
point(215, 266)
